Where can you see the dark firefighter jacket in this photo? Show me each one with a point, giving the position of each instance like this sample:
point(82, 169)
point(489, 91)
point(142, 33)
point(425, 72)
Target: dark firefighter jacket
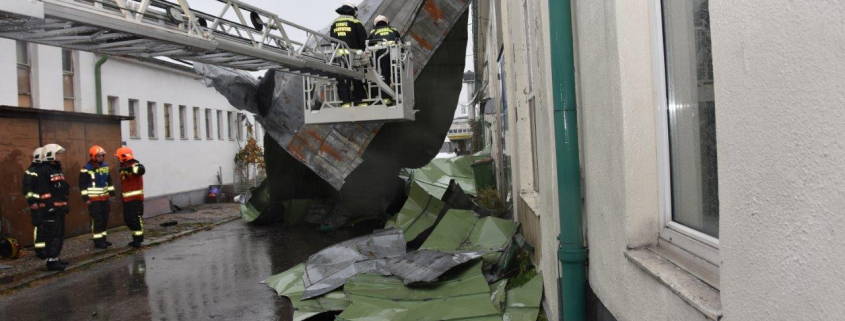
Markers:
point(131, 177)
point(95, 182)
point(30, 176)
point(51, 187)
point(384, 32)
point(349, 29)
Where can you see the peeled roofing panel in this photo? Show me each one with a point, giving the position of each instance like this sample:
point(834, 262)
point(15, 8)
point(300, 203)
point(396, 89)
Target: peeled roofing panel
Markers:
point(419, 213)
point(289, 284)
point(523, 302)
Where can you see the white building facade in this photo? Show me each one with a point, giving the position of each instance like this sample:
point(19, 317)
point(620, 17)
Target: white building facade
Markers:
point(183, 132)
point(710, 153)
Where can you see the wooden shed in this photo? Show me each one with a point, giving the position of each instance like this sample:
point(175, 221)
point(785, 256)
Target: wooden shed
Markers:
point(22, 130)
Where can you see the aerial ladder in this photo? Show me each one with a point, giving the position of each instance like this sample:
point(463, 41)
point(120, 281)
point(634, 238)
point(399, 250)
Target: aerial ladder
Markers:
point(255, 40)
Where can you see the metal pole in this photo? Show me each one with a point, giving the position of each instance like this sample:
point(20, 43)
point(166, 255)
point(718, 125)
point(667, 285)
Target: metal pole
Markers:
point(571, 252)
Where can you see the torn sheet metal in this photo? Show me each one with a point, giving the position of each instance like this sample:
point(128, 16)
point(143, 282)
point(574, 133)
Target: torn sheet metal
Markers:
point(523, 302)
point(427, 265)
point(419, 213)
point(330, 268)
point(462, 295)
point(461, 230)
point(289, 284)
point(436, 176)
point(456, 198)
point(498, 294)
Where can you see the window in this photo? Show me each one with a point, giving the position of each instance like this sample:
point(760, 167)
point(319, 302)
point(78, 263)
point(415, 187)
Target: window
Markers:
point(229, 120)
point(687, 145)
point(24, 74)
point(112, 105)
point(535, 156)
point(257, 129)
point(183, 118)
point(529, 44)
point(133, 123)
point(152, 128)
point(240, 126)
point(208, 131)
point(67, 79)
point(196, 123)
point(168, 123)
point(220, 125)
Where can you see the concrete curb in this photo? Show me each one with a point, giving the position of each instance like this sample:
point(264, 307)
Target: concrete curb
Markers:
point(73, 267)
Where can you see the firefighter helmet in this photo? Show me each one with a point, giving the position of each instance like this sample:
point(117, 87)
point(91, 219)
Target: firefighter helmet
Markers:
point(49, 151)
point(380, 18)
point(94, 151)
point(350, 4)
point(36, 155)
point(124, 154)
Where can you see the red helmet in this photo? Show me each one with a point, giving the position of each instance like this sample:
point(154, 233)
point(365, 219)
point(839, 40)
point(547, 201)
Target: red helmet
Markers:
point(124, 154)
point(94, 151)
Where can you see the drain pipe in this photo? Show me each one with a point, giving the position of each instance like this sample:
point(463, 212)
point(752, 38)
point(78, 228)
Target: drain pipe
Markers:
point(571, 252)
point(98, 82)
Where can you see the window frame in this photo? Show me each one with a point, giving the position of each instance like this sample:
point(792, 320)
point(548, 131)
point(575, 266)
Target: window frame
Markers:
point(197, 125)
point(683, 243)
point(152, 120)
point(230, 121)
point(29, 67)
point(168, 121)
point(183, 122)
point(209, 121)
point(133, 111)
point(72, 74)
point(219, 125)
point(112, 105)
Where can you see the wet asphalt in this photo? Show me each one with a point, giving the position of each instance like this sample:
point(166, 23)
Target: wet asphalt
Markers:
point(211, 275)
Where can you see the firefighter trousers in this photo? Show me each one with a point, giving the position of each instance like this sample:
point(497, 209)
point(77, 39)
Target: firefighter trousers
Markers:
point(132, 215)
point(38, 237)
point(99, 212)
point(53, 231)
point(384, 66)
point(350, 90)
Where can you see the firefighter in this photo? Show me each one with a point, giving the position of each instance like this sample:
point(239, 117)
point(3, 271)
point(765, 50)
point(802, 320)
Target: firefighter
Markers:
point(350, 30)
point(96, 188)
point(53, 193)
point(384, 34)
point(30, 177)
point(131, 177)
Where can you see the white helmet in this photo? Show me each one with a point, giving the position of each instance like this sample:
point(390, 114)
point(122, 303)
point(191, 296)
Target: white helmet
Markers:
point(49, 151)
point(36, 155)
point(380, 18)
point(351, 4)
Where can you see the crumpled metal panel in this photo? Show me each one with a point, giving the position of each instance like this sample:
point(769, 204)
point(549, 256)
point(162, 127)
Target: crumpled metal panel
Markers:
point(461, 230)
point(419, 213)
point(333, 151)
point(462, 295)
point(437, 175)
point(498, 294)
point(523, 302)
point(427, 265)
point(289, 284)
point(331, 267)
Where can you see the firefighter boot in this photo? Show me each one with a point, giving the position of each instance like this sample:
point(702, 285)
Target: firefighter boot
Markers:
point(106, 240)
point(136, 241)
point(55, 264)
point(100, 243)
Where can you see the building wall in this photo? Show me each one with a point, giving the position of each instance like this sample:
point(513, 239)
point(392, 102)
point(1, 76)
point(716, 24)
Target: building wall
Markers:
point(176, 168)
point(779, 76)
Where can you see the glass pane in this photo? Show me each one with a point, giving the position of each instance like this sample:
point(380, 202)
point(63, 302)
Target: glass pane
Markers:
point(167, 124)
point(23, 80)
point(691, 114)
point(182, 119)
point(69, 104)
point(196, 122)
point(151, 120)
point(67, 60)
point(67, 85)
point(24, 100)
point(133, 124)
point(22, 52)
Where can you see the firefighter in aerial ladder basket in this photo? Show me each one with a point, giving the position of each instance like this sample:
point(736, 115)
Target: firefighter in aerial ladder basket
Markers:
point(30, 178)
point(348, 28)
point(131, 177)
point(96, 188)
point(53, 193)
point(384, 34)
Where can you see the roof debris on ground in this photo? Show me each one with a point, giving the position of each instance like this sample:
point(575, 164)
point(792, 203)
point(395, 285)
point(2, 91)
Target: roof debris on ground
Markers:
point(432, 261)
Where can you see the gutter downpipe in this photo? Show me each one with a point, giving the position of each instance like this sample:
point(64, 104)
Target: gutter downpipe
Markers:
point(571, 251)
point(98, 83)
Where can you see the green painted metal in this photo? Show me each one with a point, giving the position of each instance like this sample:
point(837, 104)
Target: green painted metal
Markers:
point(571, 253)
point(498, 294)
point(419, 213)
point(462, 295)
point(523, 302)
point(98, 82)
point(435, 176)
point(289, 284)
point(460, 230)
